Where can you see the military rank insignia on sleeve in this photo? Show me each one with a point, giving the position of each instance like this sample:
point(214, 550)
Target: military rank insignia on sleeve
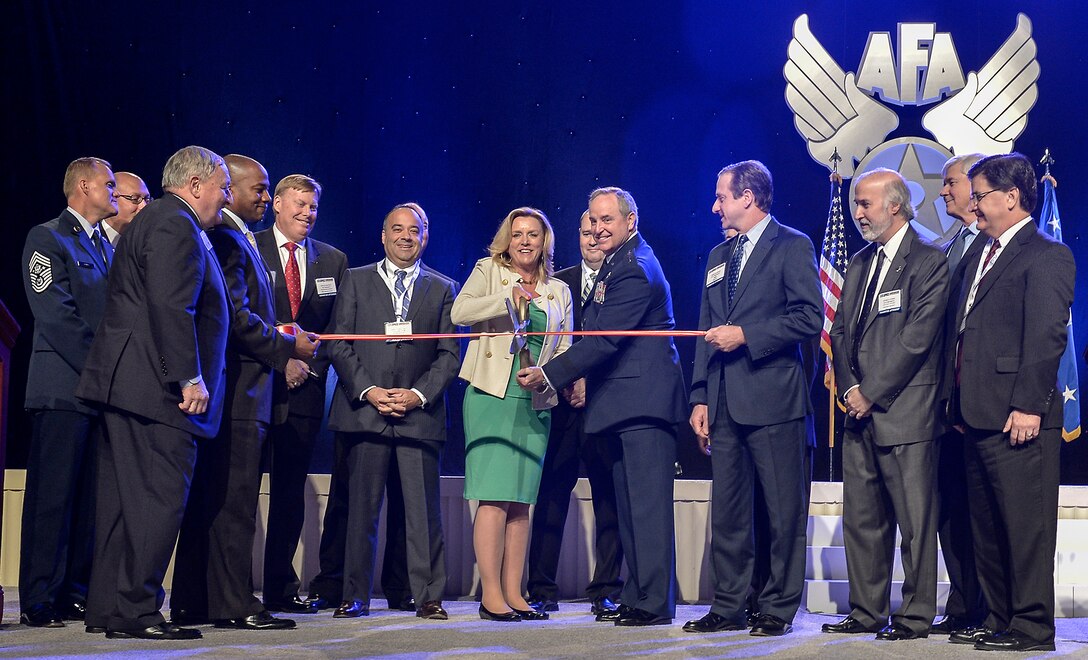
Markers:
point(41, 272)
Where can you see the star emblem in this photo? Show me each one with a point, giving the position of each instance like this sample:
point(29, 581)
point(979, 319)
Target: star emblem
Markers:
point(1069, 395)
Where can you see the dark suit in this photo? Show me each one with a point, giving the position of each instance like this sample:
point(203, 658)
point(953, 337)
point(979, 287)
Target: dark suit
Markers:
point(1009, 349)
point(889, 458)
point(214, 565)
point(567, 443)
point(757, 400)
point(369, 438)
point(631, 293)
point(167, 320)
point(65, 279)
point(329, 582)
point(291, 442)
point(965, 603)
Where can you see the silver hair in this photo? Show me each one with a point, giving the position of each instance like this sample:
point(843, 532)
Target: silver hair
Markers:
point(188, 162)
point(895, 191)
point(624, 199)
point(965, 162)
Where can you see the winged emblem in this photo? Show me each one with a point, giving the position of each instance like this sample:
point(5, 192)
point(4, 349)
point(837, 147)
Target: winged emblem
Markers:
point(518, 341)
point(992, 109)
point(829, 110)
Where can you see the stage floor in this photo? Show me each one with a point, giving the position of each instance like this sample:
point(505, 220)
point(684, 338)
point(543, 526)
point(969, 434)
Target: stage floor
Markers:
point(572, 633)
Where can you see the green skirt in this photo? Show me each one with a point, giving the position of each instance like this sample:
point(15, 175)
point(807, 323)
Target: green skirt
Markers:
point(505, 439)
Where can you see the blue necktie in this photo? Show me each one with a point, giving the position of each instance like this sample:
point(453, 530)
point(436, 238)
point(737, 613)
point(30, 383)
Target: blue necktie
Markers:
point(734, 265)
point(401, 292)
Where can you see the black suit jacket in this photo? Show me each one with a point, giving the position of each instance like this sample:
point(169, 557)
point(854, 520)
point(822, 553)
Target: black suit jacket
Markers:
point(257, 349)
point(315, 313)
point(167, 320)
point(900, 350)
point(777, 303)
point(364, 306)
point(65, 280)
point(631, 382)
point(1015, 334)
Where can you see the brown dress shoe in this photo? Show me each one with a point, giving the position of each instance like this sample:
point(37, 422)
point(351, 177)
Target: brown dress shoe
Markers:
point(350, 609)
point(432, 609)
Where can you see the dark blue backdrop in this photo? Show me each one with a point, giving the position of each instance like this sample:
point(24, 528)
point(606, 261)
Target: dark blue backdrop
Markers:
point(475, 109)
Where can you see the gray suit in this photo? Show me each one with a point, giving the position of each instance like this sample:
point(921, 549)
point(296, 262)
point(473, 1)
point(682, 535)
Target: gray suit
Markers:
point(889, 458)
point(368, 439)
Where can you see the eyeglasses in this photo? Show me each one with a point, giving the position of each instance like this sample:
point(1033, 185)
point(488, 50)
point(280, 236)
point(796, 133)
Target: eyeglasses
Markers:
point(136, 199)
point(976, 197)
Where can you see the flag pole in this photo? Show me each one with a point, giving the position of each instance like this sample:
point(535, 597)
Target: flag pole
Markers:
point(836, 180)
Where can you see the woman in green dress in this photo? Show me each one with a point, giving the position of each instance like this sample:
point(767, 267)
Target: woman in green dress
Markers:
point(506, 428)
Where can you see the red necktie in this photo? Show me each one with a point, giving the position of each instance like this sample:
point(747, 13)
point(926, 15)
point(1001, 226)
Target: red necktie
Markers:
point(294, 281)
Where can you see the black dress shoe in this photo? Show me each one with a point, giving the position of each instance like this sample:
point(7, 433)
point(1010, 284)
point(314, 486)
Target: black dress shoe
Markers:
point(751, 616)
point(260, 621)
point(636, 617)
point(612, 616)
point(350, 609)
point(73, 611)
point(969, 635)
point(321, 602)
point(893, 632)
point(293, 605)
point(41, 615)
point(433, 610)
point(710, 623)
point(848, 626)
point(768, 625)
point(188, 618)
point(947, 626)
point(531, 615)
point(1011, 640)
point(95, 630)
point(599, 606)
point(405, 604)
point(544, 604)
point(503, 617)
point(160, 631)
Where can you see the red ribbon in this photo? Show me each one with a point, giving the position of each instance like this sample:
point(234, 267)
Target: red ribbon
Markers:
point(475, 335)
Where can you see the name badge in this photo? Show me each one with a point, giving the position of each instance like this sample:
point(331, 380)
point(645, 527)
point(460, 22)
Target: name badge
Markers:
point(326, 286)
point(207, 241)
point(889, 301)
point(715, 275)
point(395, 329)
point(598, 293)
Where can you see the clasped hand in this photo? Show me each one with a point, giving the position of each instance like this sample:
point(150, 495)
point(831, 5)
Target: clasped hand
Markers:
point(393, 402)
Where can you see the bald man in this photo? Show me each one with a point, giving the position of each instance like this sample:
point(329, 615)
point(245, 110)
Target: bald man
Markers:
point(132, 197)
point(214, 565)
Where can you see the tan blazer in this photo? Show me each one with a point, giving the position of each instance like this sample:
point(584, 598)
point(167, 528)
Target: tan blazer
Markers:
point(482, 305)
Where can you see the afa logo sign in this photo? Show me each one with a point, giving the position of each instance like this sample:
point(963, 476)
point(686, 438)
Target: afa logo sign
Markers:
point(984, 111)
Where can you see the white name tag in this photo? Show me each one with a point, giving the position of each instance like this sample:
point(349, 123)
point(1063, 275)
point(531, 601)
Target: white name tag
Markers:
point(889, 301)
point(715, 275)
point(207, 241)
point(326, 286)
point(396, 329)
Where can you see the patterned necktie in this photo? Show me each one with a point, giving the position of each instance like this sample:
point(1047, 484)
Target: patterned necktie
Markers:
point(401, 293)
point(293, 280)
point(588, 288)
point(734, 265)
point(252, 240)
point(866, 305)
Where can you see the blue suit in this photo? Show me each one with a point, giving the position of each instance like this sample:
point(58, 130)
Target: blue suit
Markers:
point(635, 398)
point(65, 279)
point(757, 396)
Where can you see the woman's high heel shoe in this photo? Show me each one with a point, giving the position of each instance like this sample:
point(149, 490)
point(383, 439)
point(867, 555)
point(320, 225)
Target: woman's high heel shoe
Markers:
point(504, 617)
point(531, 615)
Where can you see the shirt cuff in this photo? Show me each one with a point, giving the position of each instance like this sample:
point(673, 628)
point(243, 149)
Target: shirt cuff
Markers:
point(422, 398)
point(191, 381)
point(362, 397)
point(849, 390)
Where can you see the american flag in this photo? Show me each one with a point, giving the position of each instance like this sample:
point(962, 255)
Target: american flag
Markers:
point(833, 259)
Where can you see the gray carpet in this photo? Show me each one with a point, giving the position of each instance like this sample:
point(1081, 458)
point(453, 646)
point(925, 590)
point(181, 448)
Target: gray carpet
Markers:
point(572, 633)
